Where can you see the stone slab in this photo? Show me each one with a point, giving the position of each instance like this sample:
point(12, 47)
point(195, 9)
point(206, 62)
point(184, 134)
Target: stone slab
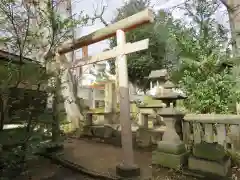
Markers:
point(172, 148)
point(213, 167)
point(170, 160)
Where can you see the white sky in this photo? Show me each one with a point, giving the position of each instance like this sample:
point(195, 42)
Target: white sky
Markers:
point(88, 7)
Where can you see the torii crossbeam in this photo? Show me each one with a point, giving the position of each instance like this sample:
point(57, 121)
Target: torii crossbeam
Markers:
point(117, 29)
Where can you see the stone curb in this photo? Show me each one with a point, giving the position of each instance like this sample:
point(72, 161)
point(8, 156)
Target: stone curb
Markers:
point(83, 170)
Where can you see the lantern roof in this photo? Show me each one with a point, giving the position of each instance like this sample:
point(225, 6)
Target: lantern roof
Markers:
point(158, 74)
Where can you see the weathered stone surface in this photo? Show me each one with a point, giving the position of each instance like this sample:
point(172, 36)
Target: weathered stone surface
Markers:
point(157, 133)
point(108, 131)
point(100, 120)
point(209, 151)
point(143, 137)
point(167, 147)
point(87, 131)
point(172, 112)
point(134, 127)
point(170, 160)
point(213, 167)
point(98, 131)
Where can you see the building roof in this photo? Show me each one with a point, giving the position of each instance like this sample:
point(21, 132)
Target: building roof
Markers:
point(7, 56)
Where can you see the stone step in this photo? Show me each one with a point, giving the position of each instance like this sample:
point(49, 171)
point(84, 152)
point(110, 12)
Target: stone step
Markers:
point(211, 167)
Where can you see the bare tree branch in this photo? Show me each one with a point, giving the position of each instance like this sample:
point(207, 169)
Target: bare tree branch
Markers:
point(100, 15)
point(225, 4)
point(229, 8)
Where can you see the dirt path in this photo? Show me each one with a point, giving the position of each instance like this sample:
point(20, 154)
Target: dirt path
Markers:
point(103, 158)
point(43, 169)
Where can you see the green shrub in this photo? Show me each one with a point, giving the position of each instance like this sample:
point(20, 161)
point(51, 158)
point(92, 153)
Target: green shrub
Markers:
point(210, 89)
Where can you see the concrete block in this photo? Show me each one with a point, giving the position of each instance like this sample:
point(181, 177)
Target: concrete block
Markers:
point(213, 167)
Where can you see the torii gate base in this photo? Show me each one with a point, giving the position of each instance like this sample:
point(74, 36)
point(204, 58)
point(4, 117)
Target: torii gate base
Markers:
point(128, 171)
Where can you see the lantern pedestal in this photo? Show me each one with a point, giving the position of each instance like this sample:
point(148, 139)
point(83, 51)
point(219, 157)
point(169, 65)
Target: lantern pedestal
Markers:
point(171, 151)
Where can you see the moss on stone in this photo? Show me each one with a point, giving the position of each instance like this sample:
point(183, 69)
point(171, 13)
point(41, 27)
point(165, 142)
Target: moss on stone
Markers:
point(97, 110)
point(235, 156)
point(150, 101)
point(169, 160)
point(209, 151)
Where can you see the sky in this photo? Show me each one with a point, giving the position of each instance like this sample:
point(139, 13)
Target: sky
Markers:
point(89, 6)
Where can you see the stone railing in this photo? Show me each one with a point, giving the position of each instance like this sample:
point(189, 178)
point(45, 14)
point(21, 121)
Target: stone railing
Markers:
point(212, 128)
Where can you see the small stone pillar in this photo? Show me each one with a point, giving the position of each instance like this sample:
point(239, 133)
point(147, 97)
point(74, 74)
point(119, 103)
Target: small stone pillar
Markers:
point(91, 97)
point(143, 119)
point(108, 99)
point(171, 151)
point(110, 103)
point(89, 119)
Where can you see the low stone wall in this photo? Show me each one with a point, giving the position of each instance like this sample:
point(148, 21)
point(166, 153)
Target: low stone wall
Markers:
point(212, 128)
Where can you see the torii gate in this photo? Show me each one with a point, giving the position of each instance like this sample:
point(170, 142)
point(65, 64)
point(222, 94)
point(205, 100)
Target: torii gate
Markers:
point(119, 28)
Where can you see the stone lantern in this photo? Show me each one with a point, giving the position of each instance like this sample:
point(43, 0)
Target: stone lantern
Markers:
point(168, 90)
point(171, 151)
point(157, 77)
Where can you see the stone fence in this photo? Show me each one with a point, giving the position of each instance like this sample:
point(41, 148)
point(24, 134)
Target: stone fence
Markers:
point(212, 128)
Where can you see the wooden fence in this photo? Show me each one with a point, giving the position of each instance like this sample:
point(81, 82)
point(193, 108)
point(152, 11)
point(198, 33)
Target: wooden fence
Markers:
point(212, 128)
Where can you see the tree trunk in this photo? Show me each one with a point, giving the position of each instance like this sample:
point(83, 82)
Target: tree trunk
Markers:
point(5, 98)
point(56, 111)
point(234, 20)
point(25, 145)
point(2, 114)
point(73, 111)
